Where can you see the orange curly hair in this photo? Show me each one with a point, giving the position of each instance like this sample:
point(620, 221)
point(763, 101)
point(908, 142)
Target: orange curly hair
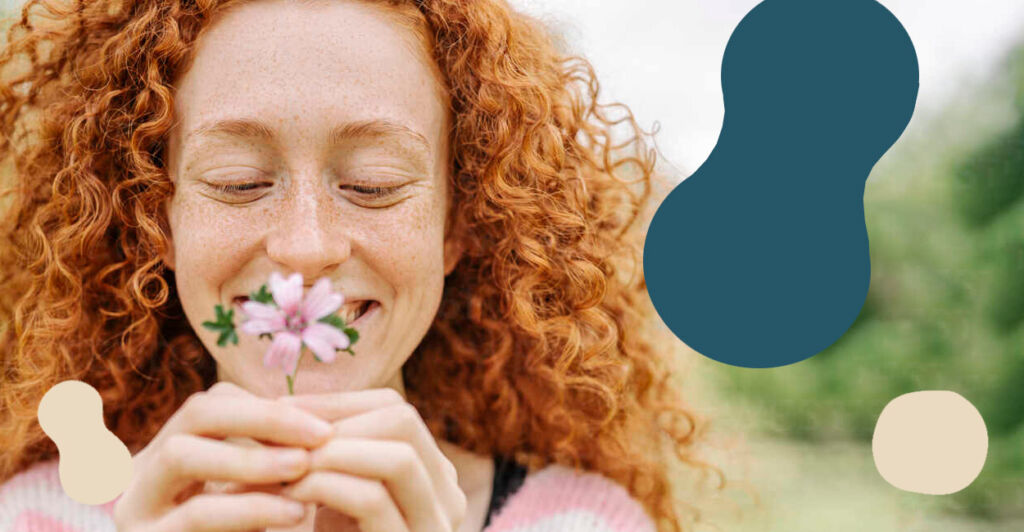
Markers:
point(546, 346)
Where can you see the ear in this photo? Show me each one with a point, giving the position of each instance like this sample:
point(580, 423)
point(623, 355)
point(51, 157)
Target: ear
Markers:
point(453, 251)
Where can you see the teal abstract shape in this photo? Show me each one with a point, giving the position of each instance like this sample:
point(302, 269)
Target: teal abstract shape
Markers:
point(760, 258)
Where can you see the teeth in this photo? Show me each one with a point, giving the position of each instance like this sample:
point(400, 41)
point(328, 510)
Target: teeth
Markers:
point(349, 312)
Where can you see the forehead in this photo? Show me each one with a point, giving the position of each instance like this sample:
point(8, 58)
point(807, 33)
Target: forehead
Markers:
point(304, 68)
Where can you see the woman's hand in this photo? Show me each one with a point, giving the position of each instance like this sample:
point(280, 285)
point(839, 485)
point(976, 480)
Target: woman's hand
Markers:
point(381, 470)
point(167, 491)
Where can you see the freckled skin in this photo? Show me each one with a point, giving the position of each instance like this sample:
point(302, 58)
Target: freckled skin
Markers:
point(302, 70)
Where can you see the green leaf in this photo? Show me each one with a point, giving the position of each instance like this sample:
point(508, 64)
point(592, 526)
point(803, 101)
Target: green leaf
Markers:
point(224, 325)
point(263, 296)
point(333, 319)
point(353, 335)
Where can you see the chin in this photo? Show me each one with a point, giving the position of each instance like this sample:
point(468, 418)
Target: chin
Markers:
point(271, 383)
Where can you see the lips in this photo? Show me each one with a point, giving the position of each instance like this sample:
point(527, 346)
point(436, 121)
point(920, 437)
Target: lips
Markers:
point(350, 312)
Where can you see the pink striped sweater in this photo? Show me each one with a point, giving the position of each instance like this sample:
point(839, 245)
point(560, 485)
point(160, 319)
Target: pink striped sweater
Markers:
point(553, 499)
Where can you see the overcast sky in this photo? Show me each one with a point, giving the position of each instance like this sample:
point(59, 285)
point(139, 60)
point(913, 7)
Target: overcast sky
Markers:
point(663, 57)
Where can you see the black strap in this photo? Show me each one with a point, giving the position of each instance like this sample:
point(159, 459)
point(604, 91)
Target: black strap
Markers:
point(508, 477)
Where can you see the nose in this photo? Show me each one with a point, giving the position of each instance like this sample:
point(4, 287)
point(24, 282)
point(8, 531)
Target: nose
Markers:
point(303, 238)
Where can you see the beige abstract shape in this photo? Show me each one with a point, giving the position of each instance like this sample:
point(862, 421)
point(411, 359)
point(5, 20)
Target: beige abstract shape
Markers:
point(95, 466)
point(932, 442)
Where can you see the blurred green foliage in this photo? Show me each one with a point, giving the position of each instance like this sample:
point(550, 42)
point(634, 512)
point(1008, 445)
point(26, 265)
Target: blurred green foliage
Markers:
point(945, 311)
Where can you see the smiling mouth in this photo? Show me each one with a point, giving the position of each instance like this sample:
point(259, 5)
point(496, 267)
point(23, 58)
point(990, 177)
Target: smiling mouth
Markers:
point(349, 313)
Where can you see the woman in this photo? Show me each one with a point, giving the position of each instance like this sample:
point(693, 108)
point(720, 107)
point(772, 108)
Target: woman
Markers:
point(439, 162)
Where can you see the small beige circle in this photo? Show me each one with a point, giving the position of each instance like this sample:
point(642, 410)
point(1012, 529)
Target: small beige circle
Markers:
point(932, 442)
point(95, 466)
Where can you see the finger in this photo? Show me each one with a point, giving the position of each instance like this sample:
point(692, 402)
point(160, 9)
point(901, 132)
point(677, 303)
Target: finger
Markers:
point(216, 513)
point(186, 459)
point(366, 501)
point(338, 405)
point(382, 413)
point(223, 414)
point(230, 388)
point(398, 466)
point(218, 486)
point(401, 422)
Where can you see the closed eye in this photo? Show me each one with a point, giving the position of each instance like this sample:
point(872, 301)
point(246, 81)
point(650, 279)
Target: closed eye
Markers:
point(239, 187)
point(369, 193)
point(376, 192)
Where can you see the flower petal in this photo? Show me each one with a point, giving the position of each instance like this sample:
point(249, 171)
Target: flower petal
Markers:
point(320, 301)
point(272, 357)
point(323, 339)
point(286, 349)
point(261, 318)
point(287, 292)
point(262, 311)
point(258, 327)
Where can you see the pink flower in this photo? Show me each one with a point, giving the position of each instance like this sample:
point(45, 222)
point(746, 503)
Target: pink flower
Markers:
point(294, 321)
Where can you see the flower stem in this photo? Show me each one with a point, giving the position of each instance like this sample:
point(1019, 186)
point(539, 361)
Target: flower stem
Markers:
point(291, 378)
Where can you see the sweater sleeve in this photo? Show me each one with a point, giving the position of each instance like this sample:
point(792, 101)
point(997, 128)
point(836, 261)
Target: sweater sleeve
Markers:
point(34, 501)
point(554, 499)
point(558, 499)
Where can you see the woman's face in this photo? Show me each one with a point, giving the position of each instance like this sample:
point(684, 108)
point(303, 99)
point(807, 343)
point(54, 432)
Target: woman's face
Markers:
point(307, 108)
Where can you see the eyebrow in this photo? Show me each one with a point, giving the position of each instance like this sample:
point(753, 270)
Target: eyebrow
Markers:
point(258, 130)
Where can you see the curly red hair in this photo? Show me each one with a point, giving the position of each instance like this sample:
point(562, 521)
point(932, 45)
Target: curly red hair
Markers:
point(546, 346)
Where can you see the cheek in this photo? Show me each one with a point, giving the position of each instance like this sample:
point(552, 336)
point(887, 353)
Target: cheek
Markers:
point(410, 248)
point(207, 246)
